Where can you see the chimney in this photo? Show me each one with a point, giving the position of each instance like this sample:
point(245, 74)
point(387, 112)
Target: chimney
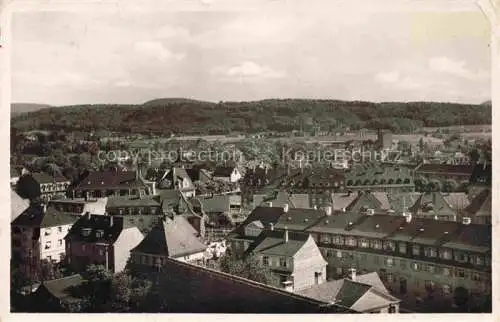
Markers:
point(328, 210)
point(271, 226)
point(88, 215)
point(407, 216)
point(44, 208)
point(111, 222)
point(86, 196)
point(286, 235)
point(285, 207)
point(353, 274)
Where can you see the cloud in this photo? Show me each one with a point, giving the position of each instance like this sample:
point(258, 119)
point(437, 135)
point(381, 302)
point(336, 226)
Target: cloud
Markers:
point(249, 70)
point(155, 49)
point(453, 67)
point(395, 80)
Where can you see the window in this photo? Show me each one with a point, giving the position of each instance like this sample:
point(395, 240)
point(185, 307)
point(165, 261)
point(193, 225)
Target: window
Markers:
point(325, 239)
point(461, 257)
point(339, 254)
point(445, 254)
point(446, 271)
point(461, 273)
point(101, 252)
point(49, 258)
point(339, 270)
point(389, 245)
point(402, 264)
point(389, 262)
point(363, 243)
point(415, 266)
point(153, 210)
point(120, 211)
point(60, 229)
point(402, 248)
point(446, 289)
point(265, 260)
point(476, 277)
point(351, 241)
point(48, 231)
point(376, 244)
point(430, 252)
point(283, 262)
point(99, 233)
point(416, 250)
point(338, 240)
point(390, 278)
point(83, 247)
point(48, 245)
point(478, 260)
point(86, 231)
point(59, 242)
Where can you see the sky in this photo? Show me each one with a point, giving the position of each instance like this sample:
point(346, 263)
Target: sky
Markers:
point(227, 50)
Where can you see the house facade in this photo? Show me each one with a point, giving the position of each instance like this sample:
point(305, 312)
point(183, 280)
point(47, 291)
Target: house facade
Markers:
point(51, 186)
point(38, 234)
point(101, 240)
point(227, 174)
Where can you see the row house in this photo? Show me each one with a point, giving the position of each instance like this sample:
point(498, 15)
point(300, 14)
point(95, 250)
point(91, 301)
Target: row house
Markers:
point(317, 181)
point(99, 184)
point(173, 237)
point(386, 178)
point(443, 172)
point(37, 235)
point(279, 198)
point(416, 258)
point(101, 240)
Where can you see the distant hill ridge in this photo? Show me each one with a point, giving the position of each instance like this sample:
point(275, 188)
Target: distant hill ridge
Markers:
point(187, 116)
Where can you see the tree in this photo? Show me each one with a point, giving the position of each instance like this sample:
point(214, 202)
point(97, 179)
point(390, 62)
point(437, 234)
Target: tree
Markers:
point(474, 156)
point(461, 298)
point(120, 292)
point(249, 268)
point(49, 271)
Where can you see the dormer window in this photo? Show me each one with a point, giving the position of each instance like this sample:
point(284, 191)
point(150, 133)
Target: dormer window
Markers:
point(100, 233)
point(86, 232)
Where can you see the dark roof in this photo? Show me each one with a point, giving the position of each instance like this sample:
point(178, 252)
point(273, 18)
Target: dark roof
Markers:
point(377, 226)
point(222, 171)
point(127, 201)
point(265, 215)
point(446, 169)
point(193, 173)
point(215, 204)
point(472, 237)
point(194, 289)
point(425, 231)
point(364, 200)
point(115, 179)
point(299, 219)
point(336, 224)
point(272, 242)
point(173, 237)
point(42, 178)
point(481, 204)
point(62, 288)
point(111, 227)
point(432, 201)
point(35, 216)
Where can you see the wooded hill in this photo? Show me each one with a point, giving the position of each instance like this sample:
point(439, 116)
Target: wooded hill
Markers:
point(184, 116)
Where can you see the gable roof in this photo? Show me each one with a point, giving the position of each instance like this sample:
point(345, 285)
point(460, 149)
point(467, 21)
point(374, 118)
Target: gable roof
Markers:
point(130, 201)
point(481, 205)
point(17, 205)
point(62, 288)
point(114, 179)
point(111, 227)
point(299, 219)
point(272, 242)
point(42, 178)
point(217, 204)
point(172, 237)
point(35, 216)
point(364, 200)
point(266, 215)
point(336, 224)
point(481, 175)
point(446, 169)
point(432, 201)
point(356, 295)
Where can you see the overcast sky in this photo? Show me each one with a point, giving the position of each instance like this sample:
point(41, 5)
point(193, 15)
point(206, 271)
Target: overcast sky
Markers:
point(395, 51)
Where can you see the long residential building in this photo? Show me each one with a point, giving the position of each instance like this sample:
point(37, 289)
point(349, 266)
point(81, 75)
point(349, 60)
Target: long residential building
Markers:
point(415, 257)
